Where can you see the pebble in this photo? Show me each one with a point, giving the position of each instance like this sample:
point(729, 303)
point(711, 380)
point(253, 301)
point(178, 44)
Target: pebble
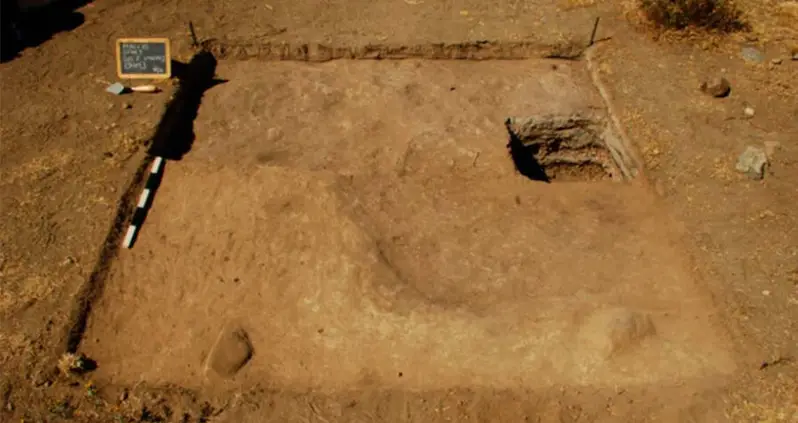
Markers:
point(776, 61)
point(274, 134)
point(795, 56)
point(127, 106)
point(749, 111)
point(717, 87)
point(752, 162)
point(766, 293)
point(766, 214)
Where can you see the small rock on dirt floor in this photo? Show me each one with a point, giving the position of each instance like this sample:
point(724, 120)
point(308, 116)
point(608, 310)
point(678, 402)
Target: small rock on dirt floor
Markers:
point(753, 162)
point(752, 54)
point(230, 353)
point(717, 87)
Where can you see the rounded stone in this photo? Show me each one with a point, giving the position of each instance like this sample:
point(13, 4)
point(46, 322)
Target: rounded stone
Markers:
point(717, 87)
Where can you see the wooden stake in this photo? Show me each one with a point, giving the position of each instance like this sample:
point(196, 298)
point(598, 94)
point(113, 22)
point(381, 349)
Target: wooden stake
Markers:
point(194, 42)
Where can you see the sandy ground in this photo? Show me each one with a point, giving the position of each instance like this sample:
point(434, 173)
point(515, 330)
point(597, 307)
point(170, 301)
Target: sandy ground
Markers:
point(725, 243)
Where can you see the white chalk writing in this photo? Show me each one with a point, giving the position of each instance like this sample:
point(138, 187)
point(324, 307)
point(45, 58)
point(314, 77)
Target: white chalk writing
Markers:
point(143, 57)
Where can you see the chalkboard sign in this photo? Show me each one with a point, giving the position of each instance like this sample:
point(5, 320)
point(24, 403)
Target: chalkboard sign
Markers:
point(143, 58)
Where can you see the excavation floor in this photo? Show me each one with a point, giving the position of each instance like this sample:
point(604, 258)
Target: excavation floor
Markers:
point(363, 223)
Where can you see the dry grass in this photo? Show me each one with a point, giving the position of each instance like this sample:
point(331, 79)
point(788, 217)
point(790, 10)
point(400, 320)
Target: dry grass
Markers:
point(722, 15)
point(778, 402)
point(577, 4)
point(72, 364)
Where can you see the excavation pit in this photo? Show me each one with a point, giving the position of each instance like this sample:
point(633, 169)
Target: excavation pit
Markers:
point(360, 220)
point(563, 148)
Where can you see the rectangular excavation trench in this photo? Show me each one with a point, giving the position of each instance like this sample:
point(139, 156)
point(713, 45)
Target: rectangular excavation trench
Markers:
point(348, 224)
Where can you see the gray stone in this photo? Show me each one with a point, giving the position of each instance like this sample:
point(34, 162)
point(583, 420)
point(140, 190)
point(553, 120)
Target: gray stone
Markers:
point(717, 87)
point(230, 353)
point(753, 162)
point(752, 54)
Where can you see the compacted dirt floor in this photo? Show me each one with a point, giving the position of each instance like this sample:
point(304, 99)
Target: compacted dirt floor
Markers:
point(357, 231)
point(361, 220)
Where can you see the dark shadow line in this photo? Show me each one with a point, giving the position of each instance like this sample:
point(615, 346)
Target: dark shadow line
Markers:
point(91, 290)
point(524, 157)
point(174, 135)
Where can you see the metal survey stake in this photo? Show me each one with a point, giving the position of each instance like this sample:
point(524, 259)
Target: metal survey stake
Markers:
point(593, 34)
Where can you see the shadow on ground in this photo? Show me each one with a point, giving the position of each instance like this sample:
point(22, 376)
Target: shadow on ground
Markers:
point(174, 135)
point(30, 27)
point(524, 157)
point(172, 140)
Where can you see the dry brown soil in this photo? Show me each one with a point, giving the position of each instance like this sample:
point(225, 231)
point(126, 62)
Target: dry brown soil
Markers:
point(362, 222)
